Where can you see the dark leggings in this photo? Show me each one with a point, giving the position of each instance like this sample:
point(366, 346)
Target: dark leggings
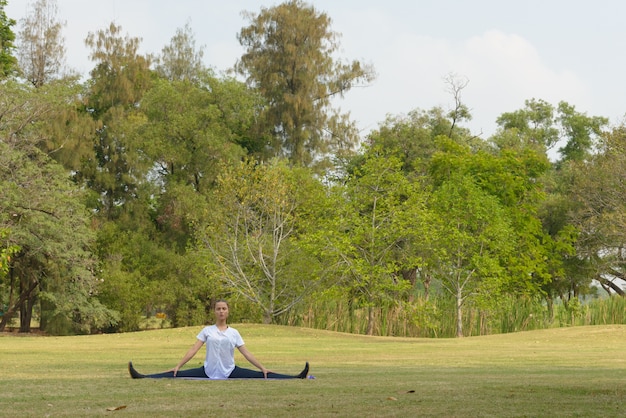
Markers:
point(238, 373)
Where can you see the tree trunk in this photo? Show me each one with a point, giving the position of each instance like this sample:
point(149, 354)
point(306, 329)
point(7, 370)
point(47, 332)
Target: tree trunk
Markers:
point(267, 317)
point(27, 303)
point(427, 280)
point(459, 312)
point(26, 315)
point(410, 275)
point(370, 320)
point(12, 310)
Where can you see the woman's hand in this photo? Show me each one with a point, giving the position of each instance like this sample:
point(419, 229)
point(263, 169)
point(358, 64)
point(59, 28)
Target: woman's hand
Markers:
point(265, 372)
point(248, 355)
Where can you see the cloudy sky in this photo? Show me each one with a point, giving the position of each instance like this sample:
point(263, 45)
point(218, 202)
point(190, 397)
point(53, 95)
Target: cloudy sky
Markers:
point(509, 51)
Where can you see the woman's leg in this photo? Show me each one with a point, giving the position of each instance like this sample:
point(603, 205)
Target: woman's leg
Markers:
point(197, 373)
point(241, 373)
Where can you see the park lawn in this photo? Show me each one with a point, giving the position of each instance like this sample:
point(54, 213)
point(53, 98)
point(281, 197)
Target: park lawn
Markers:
point(565, 372)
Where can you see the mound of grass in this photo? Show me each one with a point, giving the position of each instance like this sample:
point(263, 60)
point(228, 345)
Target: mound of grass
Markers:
point(564, 372)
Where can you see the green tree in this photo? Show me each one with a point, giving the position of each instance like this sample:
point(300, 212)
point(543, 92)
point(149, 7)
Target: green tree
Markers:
point(288, 57)
point(41, 52)
point(8, 62)
point(51, 228)
point(255, 234)
point(528, 134)
point(533, 126)
point(541, 126)
point(581, 132)
point(7, 252)
point(181, 60)
point(473, 240)
point(118, 81)
point(186, 131)
point(376, 214)
point(597, 194)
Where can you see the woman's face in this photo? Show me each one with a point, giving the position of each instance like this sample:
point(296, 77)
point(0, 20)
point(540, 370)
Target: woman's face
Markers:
point(221, 310)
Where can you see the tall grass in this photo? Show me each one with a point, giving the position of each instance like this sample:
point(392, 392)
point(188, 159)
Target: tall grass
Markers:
point(435, 317)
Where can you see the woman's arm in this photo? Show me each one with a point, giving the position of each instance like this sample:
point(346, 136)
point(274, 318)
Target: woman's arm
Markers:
point(248, 355)
point(192, 352)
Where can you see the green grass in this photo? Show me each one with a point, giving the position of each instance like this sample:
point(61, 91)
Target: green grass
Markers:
point(566, 372)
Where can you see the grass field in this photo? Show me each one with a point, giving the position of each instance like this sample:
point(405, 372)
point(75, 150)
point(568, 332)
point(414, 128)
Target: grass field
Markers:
point(567, 372)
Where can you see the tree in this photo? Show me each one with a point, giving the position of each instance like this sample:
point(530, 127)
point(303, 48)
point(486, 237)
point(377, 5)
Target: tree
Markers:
point(180, 60)
point(534, 130)
point(8, 62)
point(598, 210)
point(580, 130)
point(460, 112)
point(289, 58)
point(44, 214)
point(542, 126)
point(41, 52)
point(254, 237)
point(186, 132)
point(473, 239)
point(118, 81)
point(51, 236)
point(534, 126)
point(375, 215)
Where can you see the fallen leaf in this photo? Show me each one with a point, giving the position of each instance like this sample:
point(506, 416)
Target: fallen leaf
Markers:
point(116, 408)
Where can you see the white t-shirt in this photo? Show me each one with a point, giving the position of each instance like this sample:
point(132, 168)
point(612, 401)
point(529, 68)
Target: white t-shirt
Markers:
point(220, 350)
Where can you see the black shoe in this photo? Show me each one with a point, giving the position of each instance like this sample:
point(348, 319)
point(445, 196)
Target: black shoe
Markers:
point(304, 373)
point(134, 373)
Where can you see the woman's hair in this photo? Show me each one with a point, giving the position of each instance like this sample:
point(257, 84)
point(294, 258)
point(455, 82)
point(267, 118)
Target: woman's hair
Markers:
point(221, 300)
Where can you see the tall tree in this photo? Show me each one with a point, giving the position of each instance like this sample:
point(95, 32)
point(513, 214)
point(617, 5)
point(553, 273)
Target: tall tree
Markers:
point(8, 62)
point(288, 56)
point(41, 52)
point(254, 236)
point(181, 60)
point(543, 127)
point(187, 131)
point(525, 136)
point(581, 132)
point(374, 217)
point(473, 239)
point(598, 195)
point(46, 219)
point(118, 81)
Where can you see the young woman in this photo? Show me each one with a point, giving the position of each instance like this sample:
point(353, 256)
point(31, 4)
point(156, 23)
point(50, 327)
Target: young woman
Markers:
point(219, 363)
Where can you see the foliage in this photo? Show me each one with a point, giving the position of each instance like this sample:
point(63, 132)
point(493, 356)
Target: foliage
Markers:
point(186, 131)
point(288, 57)
point(254, 233)
point(376, 214)
point(473, 239)
point(8, 62)
point(118, 81)
point(156, 186)
point(41, 51)
point(46, 218)
point(181, 60)
point(541, 127)
point(597, 192)
point(50, 226)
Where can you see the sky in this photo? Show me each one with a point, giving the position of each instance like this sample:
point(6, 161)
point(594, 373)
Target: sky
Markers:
point(507, 51)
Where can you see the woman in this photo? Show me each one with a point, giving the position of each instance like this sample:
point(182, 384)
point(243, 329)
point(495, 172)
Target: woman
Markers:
point(221, 341)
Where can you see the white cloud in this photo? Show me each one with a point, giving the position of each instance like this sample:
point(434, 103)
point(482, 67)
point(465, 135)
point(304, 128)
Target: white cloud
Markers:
point(503, 71)
point(510, 70)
